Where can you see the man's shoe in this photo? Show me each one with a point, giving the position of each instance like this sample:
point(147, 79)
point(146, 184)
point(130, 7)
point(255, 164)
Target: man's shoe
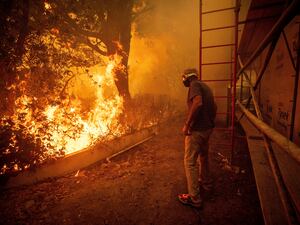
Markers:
point(187, 199)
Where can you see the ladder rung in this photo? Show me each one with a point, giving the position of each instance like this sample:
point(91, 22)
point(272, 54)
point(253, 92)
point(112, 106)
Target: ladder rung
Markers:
point(214, 63)
point(216, 80)
point(217, 46)
point(219, 28)
point(217, 10)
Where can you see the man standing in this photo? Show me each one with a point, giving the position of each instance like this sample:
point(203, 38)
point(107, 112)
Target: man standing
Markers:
point(197, 129)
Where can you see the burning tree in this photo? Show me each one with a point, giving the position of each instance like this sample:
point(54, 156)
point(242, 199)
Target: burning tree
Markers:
point(44, 44)
point(104, 26)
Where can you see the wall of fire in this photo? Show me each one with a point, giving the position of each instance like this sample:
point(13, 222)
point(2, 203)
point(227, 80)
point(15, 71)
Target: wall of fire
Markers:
point(275, 94)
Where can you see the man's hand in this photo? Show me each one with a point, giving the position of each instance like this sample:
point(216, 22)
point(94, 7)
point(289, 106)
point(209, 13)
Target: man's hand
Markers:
point(193, 110)
point(186, 130)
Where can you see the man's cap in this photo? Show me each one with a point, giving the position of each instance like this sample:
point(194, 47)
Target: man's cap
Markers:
point(189, 73)
point(185, 76)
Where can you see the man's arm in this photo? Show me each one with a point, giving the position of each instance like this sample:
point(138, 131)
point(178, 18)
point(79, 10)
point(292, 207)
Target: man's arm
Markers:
point(196, 104)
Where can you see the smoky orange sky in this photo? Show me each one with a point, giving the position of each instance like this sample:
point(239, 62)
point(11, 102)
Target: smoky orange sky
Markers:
point(165, 41)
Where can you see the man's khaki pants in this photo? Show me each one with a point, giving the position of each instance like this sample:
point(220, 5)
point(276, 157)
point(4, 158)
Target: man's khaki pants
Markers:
point(196, 145)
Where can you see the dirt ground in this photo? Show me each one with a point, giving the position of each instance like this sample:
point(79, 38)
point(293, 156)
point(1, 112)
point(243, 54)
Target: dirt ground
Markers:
point(141, 187)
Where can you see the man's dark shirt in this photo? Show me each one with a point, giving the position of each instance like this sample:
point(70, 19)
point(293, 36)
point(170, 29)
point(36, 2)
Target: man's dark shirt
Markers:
point(204, 118)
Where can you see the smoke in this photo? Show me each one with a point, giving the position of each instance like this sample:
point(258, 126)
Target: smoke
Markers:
point(164, 42)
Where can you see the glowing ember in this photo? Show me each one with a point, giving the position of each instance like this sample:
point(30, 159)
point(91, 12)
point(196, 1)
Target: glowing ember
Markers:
point(77, 173)
point(47, 6)
point(3, 169)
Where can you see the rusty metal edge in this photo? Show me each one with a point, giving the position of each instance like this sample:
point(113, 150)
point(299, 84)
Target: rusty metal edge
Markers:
point(83, 158)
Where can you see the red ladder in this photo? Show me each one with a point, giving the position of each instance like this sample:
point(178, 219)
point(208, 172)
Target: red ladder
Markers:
point(231, 79)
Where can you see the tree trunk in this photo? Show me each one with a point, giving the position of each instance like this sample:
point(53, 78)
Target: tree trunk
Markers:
point(8, 62)
point(19, 50)
point(118, 28)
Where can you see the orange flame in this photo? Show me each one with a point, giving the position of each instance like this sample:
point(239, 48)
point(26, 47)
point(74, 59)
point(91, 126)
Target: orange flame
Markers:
point(68, 129)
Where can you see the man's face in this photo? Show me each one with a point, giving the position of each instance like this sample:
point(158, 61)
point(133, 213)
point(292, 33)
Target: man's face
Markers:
point(187, 78)
point(186, 81)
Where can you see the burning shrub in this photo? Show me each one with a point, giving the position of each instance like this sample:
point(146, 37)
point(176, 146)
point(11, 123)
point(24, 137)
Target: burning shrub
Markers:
point(20, 150)
point(147, 110)
point(60, 43)
point(32, 137)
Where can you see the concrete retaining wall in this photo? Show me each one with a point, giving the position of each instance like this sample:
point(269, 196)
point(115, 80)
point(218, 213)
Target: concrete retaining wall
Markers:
point(83, 158)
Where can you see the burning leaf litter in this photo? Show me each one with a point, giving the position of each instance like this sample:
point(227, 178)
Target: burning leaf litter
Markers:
point(76, 175)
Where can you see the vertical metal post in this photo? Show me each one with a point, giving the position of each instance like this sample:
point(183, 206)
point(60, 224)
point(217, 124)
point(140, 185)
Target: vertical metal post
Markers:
point(200, 40)
point(237, 10)
point(296, 83)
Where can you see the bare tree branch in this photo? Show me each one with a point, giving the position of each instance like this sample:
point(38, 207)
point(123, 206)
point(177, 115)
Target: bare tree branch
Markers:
point(66, 84)
point(96, 48)
point(84, 34)
point(143, 11)
point(23, 31)
point(78, 29)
